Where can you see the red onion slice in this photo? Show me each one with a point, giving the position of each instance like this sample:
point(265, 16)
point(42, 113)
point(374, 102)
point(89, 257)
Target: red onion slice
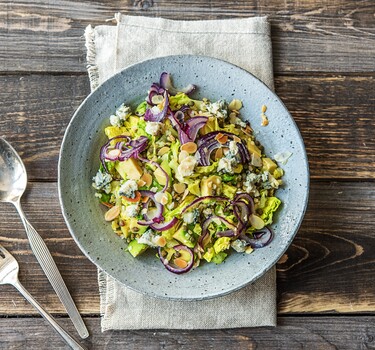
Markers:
point(174, 269)
point(133, 148)
point(247, 199)
point(150, 117)
point(207, 143)
point(187, 131)
point(164, 226)
point(166, 83)
point(261, 238)
point(154, 90)
point(104, 149)
point(158, 217)
point(194, 125)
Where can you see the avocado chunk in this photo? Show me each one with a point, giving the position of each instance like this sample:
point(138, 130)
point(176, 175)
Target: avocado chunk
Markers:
point(136, 248)
point(253, 148)
point(129, 169)
point(184, 237)
point(159, 175)
point(134, 227)
point(269, 165)
point(211, 186)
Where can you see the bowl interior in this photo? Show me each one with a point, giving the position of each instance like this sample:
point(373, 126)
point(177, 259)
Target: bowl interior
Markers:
point(79, 161)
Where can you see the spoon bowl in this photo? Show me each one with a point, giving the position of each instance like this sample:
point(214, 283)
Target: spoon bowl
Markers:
point(13, 177)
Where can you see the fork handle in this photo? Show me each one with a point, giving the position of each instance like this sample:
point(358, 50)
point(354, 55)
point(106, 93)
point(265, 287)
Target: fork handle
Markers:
point(64, 334)
point(49, 267)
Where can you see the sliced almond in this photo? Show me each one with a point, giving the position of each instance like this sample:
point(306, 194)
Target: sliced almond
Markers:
point(190, 147)
point(265, 121)
point(144, 200)
point(223, 140)
point(219, 136)
point(164, 200)
point(264, 109)
point(236, 139)
point(163, 150)
point(183, 155)
point(235, 105)
point(161, 197)
point(185, 194)
point(256, 160)
point(179, 187)
point(256, 221)
point(248, 130)
point(141, 183)
point(181, 263)
point(157, 99)
point(161, 242)
point(112, 213)
point(114, 153)
point(219, 153)
point(147, 178)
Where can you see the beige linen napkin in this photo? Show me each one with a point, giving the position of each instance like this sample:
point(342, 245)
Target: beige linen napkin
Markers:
point(243, 42)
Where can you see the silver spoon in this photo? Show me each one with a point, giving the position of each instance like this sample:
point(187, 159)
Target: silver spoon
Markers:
point(13, 181)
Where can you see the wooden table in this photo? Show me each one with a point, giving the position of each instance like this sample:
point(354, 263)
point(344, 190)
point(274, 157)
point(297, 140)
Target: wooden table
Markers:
point(324, 63)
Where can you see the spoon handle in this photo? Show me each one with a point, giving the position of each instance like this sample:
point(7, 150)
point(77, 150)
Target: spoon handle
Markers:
point(63, 333)
point(49, 267)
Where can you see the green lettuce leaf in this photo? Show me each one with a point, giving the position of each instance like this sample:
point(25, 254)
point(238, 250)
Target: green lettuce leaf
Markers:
point(271, 205)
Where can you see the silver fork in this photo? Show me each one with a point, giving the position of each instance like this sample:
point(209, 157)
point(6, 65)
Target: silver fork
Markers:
point(9, 275)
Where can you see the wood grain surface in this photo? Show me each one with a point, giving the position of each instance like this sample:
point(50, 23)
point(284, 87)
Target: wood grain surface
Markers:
point(334, 250)
point(334, 114)
point(293, 333)
point(311, 35)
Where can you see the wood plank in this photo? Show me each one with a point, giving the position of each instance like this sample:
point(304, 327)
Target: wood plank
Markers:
point(307, 35)
point(334, 113)
point(345, 333)
point(335, 116)
point(35, 112)
point(327, 269)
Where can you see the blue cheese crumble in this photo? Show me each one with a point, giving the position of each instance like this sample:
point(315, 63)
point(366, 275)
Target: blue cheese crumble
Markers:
point(227, 163)
point(102, 181)
point(239, 245)
point(131, 211)
point(149, 238)
point(128, 189)
point(120, 116)
point(218, 109)
point(191, 217)
point(153, 128)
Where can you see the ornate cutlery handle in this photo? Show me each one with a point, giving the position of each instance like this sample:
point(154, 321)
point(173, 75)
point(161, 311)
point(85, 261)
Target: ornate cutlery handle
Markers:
point(49, 267)
point(64, 334)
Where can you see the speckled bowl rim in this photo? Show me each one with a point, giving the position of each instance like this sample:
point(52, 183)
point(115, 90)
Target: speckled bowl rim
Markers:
point(261, 272)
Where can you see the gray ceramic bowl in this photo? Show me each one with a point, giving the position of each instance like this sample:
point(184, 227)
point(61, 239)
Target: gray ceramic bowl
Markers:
point(79, 161)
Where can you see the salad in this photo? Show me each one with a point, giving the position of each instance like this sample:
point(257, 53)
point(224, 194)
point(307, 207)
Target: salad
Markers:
point(186, 177)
